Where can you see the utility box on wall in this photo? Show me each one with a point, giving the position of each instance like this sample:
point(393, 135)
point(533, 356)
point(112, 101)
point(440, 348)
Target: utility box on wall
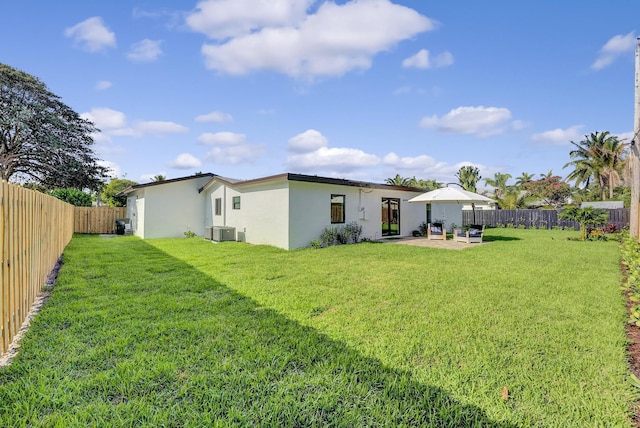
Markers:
point(221, 233)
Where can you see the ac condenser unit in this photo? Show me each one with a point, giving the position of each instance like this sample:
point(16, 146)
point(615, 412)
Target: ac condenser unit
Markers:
point(221, 233)
point(208, 233)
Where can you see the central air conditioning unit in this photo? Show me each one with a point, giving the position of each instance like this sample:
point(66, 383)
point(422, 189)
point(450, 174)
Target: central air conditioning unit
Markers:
point(208, 233)
point(222, 233)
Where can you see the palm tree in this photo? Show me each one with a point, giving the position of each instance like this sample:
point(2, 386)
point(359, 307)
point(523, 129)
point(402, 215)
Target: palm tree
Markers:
point(525, 177)
point(513, 199)
point(499, 182)
point(468, 177)
point(599, 158)
point(614, 161)
point(427, 185)
point(159, 177)
point(398, 181)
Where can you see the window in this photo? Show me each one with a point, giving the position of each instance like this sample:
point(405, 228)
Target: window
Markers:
point(218, 208)
point(236, 202)
point(337, 208)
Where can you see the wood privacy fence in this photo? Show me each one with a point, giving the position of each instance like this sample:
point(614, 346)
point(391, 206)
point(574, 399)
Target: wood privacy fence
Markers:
point(97, 219)
point(539, 219)
point(34, 230)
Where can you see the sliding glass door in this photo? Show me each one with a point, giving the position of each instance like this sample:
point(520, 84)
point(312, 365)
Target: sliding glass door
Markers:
point(390, 216)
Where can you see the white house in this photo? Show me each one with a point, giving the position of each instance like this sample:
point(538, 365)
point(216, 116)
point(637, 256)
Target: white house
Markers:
point(285, 210)
point(167, 209)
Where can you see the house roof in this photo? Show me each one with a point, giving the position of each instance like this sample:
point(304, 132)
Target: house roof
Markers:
point(307, 179)
point(159, 183)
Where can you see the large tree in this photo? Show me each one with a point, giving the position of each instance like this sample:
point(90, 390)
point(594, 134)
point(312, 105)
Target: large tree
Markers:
point(42, 140)
point(468, 177)
point(598, 159)
point(110, 192)
point(552, 189)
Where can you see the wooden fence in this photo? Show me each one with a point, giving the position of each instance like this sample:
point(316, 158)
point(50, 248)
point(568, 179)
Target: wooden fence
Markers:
point(97, 219)
point(34, 230)
point(545, 219)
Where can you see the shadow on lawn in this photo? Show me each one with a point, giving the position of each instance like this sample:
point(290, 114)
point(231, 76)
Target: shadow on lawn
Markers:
point(494, 238)
point(225, 359)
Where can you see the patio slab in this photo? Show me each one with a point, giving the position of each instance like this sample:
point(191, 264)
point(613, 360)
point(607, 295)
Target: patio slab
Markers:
point(449, 244)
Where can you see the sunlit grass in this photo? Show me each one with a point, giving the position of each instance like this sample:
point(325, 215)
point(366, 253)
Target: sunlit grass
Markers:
point(186, 332)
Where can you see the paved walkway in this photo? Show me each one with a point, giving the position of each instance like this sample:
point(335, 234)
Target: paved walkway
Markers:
point(421, 241)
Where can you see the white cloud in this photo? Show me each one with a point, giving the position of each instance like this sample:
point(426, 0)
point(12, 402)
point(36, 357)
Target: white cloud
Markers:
point(558, 136)
point(616, 46)
point(103, 84)
point(422, 60)
point(151, 177)
point(185, 161)
point(421, 163)
point(106, 119)
point(156, 127)
point(336, 159)
point(215, 116)
point(422, 167)
point(331, 42)
point(145, 51)
point(114, 169)
point(114, 123)
point(230, 148)
point(220, 19)
point(625, 137)
point(308, 141)
point(481, 121)
point(235, 154)
point(310, 153)
point(222, 138)
point(91, 35)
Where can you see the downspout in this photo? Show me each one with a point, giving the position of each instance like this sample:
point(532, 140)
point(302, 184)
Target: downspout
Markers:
point(224, 210)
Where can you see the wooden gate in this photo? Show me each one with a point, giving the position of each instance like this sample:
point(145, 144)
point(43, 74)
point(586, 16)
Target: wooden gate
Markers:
point(97, 219)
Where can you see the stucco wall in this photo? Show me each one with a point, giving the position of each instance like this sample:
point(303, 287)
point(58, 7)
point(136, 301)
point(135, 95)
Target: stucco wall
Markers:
point(263, 214)
point(172, 208)
point(311, 210)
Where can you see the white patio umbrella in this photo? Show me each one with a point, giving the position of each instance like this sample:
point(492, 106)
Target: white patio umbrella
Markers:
point(452, 195)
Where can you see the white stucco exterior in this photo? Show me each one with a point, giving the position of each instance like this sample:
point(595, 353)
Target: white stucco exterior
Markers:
point(287, 210)
point(288, 213)
point(167, 209)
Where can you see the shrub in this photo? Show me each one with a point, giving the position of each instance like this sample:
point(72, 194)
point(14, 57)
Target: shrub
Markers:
point(344, 235)
point(190, 234)
point(423, 228)
point(72, 196)
point(589, 218)
point(329, 236)
point(355, 231)
point(315, 243)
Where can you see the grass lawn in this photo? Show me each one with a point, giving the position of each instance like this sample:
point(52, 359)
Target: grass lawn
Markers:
point(183, 332)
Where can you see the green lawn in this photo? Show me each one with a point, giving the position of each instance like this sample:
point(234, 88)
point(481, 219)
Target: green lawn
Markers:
point(183, 332)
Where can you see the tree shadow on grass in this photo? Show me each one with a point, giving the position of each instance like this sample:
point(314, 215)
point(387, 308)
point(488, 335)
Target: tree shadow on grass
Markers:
point(147, 339)
point(494, 238)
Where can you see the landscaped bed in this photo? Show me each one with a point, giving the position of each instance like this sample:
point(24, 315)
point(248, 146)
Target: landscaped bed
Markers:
point(526, 330)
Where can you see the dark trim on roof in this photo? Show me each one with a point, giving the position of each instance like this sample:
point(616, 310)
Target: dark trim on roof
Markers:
point(310, 179)
point(158, 183)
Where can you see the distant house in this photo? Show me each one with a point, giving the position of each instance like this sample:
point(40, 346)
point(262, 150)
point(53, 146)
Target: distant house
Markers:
point(608, 205)
point(285, 210)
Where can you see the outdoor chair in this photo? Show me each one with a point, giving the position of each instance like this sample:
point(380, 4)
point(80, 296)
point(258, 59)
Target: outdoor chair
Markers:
point(436, 231)
point(471, 235)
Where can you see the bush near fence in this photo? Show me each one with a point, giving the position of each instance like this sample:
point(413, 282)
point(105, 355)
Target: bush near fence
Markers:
point(536, 219)
point(34, 230)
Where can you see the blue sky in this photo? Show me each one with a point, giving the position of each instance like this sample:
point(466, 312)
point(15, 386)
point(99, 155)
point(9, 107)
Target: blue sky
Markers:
point(350, 89)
